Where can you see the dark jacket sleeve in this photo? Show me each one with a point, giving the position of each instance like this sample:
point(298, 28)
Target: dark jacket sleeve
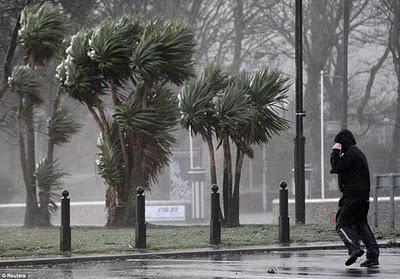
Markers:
point(341, 164)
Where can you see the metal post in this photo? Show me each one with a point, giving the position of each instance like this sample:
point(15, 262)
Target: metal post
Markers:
point(376, 202)
point(299, 178)
point(345, 59)
point(215, 222)
point(322, 138)
point(140, 233)
point(65, 229)
point(191, 148)
point(284, 234)
point(392, 205)
point(264, 179)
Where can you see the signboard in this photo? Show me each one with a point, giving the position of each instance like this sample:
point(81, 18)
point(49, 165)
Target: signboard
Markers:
point(165, 213)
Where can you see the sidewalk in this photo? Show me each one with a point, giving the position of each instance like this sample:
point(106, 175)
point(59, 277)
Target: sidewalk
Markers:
point(149, 254)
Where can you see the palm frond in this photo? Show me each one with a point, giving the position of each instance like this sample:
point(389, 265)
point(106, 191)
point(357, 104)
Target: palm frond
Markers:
point(156, 156)
point(268, 95)
point(42, 31)
point(25, 82)
point(109, 161)
point(232, 109)
point(159, 117)
point(48, 175)
point(154, 125)
point(110, 47)
point(165, 53)
point(62, 125)
point(196, 100)
point(79, 76)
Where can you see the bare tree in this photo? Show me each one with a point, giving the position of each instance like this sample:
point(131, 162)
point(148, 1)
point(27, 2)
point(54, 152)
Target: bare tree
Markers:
point(392, 10)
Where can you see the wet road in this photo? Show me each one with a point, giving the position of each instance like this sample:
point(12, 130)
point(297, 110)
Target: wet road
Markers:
point(308, 264)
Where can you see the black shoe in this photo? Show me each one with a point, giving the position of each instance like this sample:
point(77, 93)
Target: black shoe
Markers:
point(353, 257)
point(369, 263)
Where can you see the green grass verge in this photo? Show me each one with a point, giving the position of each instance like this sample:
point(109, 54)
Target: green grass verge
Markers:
point(22, 242)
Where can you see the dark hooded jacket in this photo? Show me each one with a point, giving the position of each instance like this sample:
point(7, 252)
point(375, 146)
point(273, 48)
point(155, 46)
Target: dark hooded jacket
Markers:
point(352, 166)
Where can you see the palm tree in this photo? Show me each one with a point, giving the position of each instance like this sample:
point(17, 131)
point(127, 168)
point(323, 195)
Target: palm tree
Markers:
point(242, 110)
point(41, 34)
point(136, 62)
point(24, 81)
point(266, 91)
point(231, 114)
point(197, 106)
point(48, 176)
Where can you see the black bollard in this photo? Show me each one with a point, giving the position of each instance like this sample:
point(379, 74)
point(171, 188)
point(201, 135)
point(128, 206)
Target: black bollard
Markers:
point(65, 230)
point(284, 234)
point(140, 235)
point(215, 222)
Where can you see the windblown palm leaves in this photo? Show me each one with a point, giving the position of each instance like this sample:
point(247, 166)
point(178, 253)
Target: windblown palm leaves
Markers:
point(242, 109)
point(232, 110)
point(153, 124)
point(267, 94)
point(25, 82)
point(159, 117)
point(197, 101)
point(109, 159)
point(42, 32)
point(62, 125)
point(78, 74)
point(132, 62)
point(110, 47)
point(164, 53)
point(48, 176)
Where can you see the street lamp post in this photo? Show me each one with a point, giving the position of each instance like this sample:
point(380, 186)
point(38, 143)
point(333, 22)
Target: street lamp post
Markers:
point(322, 131)
point(299, 163)
point(345, 59)
point(322, 138)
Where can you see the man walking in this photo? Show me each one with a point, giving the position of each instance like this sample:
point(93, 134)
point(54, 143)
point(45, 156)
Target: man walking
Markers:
point(354, 182)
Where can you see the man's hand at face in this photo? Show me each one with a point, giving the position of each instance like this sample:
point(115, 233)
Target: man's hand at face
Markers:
point(337, 146)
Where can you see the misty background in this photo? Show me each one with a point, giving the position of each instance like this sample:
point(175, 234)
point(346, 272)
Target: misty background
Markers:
point(239, 34)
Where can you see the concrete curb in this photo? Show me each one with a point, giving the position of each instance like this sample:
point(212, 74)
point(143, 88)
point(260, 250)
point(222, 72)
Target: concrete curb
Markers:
point(179, 253)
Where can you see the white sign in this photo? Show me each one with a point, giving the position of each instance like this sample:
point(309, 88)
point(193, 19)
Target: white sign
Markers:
point(165, 213)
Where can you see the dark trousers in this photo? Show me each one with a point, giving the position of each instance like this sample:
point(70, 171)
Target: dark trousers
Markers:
point(352, 226)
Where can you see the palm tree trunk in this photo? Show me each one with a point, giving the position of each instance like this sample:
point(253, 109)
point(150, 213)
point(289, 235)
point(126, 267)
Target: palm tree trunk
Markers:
point(50, 143)
point(236, 192)
point(96, 118)
point(21, 143)
point(29, 204)
point(137, 171)
point(28, 168)
point(123, 190)
point(227, 182)
point(213, 171)
point(44, 196)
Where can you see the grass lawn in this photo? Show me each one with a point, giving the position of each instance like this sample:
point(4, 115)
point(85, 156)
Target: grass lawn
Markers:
point(20, 242)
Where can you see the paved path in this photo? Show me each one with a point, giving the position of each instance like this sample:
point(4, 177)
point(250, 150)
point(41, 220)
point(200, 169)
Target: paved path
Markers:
point(307, 264)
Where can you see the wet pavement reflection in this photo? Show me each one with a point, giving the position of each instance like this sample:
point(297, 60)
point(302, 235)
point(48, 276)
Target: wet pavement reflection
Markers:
point(310, 264)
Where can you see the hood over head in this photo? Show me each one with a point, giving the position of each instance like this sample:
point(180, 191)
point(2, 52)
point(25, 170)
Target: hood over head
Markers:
point(345, 138)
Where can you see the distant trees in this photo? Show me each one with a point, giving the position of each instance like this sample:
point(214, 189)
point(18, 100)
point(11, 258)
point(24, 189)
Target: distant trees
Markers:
point(391, 9)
